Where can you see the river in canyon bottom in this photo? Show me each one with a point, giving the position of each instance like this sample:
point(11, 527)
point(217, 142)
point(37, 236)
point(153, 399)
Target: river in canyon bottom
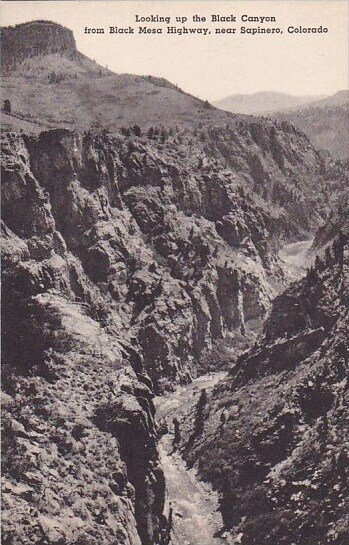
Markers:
point(196, 516)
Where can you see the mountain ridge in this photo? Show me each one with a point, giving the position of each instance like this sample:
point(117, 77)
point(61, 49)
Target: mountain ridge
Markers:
point(39, 76)
point(337, 99)
point(325, 122)
point(262, 103)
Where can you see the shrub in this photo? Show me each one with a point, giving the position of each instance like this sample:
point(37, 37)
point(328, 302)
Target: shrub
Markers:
point(7, 106)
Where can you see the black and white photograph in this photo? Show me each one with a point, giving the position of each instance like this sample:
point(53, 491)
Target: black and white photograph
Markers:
point(175, 272)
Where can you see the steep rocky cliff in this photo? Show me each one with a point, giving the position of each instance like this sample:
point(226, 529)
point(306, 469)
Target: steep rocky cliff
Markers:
point(173, 235)
point(89, 242)
point(122, 211)
point(336, 222)
point(72, 388)
point(273, 437)
point(34, 39)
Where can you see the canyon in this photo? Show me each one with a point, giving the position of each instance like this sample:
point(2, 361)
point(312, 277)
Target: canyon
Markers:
point(147, 258)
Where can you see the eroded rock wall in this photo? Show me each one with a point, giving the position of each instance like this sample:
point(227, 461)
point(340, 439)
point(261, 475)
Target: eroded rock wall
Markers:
point(67, 361)
point(163, 264)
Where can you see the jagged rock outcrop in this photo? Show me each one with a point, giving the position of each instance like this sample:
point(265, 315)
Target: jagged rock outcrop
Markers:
point(121, 214)
point(337, 221)
point(68, 359)
point(274, 439)
point(34, 39)
point(67, 477)
point(173, 239)
point(81, 279)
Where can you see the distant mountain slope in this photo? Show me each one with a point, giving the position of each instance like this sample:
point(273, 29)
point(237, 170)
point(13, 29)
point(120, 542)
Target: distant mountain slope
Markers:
point(262, 103)
point(340, 98)
point(325, 122)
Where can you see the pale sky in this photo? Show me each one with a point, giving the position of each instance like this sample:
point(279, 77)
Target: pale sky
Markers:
point(212, 66)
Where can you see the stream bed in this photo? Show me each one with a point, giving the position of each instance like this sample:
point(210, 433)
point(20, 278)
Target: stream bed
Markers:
point(296, 257)
point(196, 518)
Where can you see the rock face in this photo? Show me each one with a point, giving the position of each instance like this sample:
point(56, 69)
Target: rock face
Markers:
point(166, 230)
point(274, 435)
point(337, 221)
point(79, 278)
point(73, 384)
point(34, 39)
point(114, 209)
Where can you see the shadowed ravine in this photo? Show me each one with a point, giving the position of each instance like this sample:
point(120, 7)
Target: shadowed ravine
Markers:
point(197, 519)
point(195, 505)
